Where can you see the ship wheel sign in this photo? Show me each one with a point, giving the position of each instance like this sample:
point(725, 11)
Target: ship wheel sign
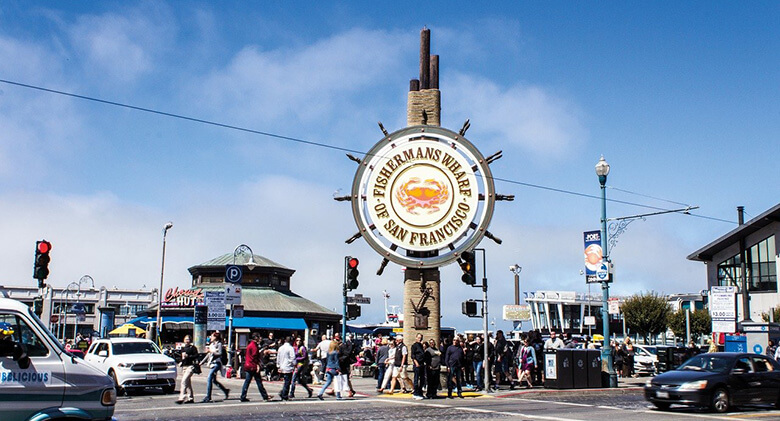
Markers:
point(423, 189)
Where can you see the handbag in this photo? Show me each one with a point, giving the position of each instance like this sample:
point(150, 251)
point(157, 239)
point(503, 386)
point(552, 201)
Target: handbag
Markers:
point(196, 369)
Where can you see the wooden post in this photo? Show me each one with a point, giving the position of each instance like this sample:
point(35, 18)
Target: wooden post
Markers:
point(425, 56)
point(434, 82)
point(414, 85)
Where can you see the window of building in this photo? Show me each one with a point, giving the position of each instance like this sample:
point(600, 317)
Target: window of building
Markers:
point(130, 309)
point(760, 259)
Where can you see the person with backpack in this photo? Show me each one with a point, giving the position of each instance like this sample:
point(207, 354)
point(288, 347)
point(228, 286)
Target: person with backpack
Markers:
point(347, 357)
point(214, 361)
point(301, 367)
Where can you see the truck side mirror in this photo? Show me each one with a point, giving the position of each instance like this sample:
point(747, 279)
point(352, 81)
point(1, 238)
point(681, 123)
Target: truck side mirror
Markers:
point(103, 354)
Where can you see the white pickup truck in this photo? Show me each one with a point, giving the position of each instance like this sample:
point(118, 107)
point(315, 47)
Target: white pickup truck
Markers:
point(39, 380)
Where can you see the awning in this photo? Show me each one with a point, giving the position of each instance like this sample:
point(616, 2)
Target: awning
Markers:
point(269, 323)
point(165, 319)
point(247, 322)
point(360, 330)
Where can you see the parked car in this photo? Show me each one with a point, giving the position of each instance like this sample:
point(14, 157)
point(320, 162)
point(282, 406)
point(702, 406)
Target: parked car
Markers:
point(718, 380)
point(40, 381)
point(645, 360)
point(134, 364)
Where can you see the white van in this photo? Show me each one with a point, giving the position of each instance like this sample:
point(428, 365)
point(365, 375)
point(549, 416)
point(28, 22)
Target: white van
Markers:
point(39, 381)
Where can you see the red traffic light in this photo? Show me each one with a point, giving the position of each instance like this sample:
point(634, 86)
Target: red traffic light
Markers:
point(44, 246)
point(353, 263)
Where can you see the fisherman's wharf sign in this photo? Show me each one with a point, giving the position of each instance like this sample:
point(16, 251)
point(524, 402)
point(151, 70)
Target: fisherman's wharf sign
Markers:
point(423, 189)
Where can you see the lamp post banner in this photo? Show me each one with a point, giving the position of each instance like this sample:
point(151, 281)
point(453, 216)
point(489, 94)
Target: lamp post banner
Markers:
point(594, 256)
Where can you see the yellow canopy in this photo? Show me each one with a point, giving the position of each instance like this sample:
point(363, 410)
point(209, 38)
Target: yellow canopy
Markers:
point(598, 337)
point(124, 330)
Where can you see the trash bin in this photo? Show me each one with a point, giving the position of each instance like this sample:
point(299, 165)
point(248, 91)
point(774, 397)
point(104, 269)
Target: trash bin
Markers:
point(593, 359)
point(662, 352)
point(558, 369)
point(579, 368)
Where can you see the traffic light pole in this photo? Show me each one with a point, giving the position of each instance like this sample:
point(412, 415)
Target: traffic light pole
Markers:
point(344, 313)
point(485, 365)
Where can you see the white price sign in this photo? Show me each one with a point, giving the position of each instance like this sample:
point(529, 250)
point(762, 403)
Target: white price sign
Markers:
point(215, 300)
point(723, 308)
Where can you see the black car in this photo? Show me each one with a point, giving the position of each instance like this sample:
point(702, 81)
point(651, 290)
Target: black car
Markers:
point(718, 380)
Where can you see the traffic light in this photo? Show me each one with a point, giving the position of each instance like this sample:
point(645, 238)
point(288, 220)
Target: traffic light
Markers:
point(38, 306)
point(469, 308)
point(353, 311)
point(469, 268)
point(352, 273)
point(42, 259)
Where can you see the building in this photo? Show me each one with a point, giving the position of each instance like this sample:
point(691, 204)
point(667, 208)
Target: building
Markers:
point(568, 311)
point(759, 238)
point(268, 302)
point(59, 305)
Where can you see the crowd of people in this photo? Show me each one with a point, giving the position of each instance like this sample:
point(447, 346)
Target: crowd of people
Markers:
point(422, 369)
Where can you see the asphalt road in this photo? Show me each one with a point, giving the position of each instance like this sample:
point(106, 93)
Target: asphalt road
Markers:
point(625, 403)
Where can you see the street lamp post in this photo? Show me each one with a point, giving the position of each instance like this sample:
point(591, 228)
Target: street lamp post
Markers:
point(602, 169)
point(84, 279)
point(158, 327)
point(516, 269)
point(243, 248)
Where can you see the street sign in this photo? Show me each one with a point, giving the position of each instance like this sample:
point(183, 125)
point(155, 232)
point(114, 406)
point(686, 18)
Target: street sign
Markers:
point(358, 299)
point(602, 273)
point(78, 308)
point(233, 274)
point(238, 312)
point(723, 308)
point(590, 320)
point(55, 318)
point(232, 294)
point(518, 313)
point(215, 300)
point(614, 305)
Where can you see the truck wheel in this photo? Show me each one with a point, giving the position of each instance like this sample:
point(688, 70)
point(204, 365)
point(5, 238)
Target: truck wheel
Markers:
point(720, 400)
point(168, 389)
point(119, 389)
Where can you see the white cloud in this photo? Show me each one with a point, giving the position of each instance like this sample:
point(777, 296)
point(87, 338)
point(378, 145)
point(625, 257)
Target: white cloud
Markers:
point(527, 116)
point(308, 84)
point(35, 126)
point(122, 47)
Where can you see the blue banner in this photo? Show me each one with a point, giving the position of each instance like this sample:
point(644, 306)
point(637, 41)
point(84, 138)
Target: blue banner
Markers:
point(593, 255)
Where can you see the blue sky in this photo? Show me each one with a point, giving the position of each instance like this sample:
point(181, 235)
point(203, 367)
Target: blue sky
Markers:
point(680, 98)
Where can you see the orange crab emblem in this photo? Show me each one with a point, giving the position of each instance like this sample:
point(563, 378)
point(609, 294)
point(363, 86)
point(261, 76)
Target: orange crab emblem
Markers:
point(415, 195)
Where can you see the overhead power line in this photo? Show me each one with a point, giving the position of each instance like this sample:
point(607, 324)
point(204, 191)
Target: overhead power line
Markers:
point(333, 147)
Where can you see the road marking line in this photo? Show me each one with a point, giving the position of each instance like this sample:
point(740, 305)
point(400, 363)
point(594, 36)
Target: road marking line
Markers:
point(709, 417)
point(489, 411)
point(557, 402)
point(223, 404)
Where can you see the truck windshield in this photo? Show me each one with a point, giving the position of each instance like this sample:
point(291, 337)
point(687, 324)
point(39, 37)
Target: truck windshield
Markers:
point(135, 348)
point(54, 341)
